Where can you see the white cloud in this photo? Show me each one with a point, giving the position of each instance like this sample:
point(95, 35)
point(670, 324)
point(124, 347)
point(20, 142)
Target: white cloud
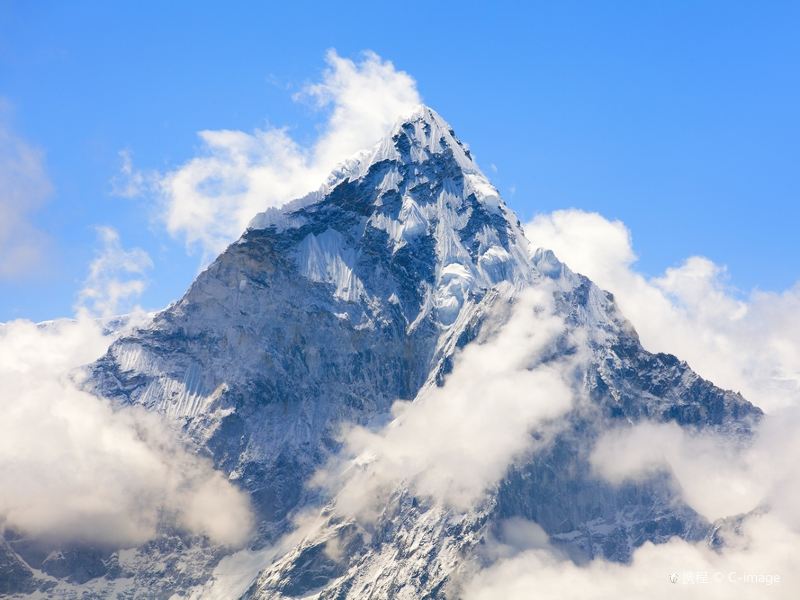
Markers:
point(716, 478)
point(209, 200)
point(116, 277)
point(72, 467)
point(454, 442)
point(131, 182)
point(24, 187)
point(760, 564)
point(751, 345)
point(366, 98)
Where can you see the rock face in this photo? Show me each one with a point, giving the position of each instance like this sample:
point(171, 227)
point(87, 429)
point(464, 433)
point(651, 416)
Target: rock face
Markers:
point(327, 311)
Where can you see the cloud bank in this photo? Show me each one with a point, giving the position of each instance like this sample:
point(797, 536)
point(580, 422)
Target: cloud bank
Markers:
point(751, 345)
point(717, 477)
point(209, 200)
point(756, 487)
point(758, 565)
point(75, 468)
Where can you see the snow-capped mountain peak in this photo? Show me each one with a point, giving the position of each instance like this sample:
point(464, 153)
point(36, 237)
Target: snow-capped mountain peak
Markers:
point(428, 134)
point(420, 188)
point(325, 313)
point(413, 139)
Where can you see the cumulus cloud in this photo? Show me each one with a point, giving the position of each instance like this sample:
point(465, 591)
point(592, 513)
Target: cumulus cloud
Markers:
point(454, 442)
point(760, 564)
point(750, 344)
point(24, 187)
point(209, 200)
point(73, 467)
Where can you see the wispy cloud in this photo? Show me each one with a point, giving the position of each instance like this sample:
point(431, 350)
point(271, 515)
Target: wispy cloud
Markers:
point(759, 564)
point(116, 277)
point(75, 468)
point(454, 442)
point(24, 187)
point(756, 485)
point(131, 182)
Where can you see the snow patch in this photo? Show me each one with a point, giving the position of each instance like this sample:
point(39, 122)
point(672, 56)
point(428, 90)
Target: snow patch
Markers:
point(326, 258)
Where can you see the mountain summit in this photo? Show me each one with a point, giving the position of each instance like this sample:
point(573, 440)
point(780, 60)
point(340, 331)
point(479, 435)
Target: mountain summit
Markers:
point(422, 189)
point(327, 311)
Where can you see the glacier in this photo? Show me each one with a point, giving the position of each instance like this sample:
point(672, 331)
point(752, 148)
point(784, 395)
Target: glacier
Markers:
point(324, 314)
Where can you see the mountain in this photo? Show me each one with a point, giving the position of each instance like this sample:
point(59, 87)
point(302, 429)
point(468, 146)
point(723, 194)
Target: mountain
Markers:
point(326, 312)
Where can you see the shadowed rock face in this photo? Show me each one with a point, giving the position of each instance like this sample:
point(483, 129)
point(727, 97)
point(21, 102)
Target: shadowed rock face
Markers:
point(324, 314)
point(15, 575)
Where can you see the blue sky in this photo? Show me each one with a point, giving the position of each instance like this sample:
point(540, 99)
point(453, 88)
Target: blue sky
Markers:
point(678, 118)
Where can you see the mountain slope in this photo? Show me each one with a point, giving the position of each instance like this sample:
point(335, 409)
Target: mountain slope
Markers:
point(420, 548)
point(326, 312)
point(295, 329)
